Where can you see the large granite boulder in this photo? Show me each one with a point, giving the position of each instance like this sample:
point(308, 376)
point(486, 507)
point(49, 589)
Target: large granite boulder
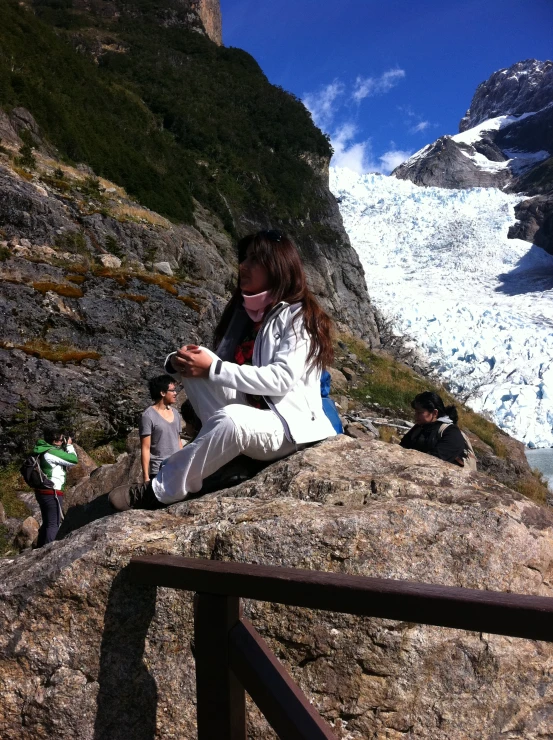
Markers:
point(87, 654)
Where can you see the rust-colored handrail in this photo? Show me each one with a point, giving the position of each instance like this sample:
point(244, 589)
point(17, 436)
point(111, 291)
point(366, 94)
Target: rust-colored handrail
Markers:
point(231, 656)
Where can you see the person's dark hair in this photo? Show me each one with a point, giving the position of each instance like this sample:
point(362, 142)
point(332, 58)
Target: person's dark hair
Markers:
point(277, 253)
point(52, 434)
point(158, 385)
point(431, 401)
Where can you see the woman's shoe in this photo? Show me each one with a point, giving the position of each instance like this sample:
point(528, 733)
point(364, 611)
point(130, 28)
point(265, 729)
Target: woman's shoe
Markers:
point(124, 498)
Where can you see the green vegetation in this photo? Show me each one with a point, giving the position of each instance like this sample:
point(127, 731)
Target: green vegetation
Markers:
point(113, 247)
point(26, 157)
point(73, 242)
point(185, 118)
point(11, 482)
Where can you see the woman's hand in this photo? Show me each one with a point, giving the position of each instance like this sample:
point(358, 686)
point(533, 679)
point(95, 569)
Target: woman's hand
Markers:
point(192, 361)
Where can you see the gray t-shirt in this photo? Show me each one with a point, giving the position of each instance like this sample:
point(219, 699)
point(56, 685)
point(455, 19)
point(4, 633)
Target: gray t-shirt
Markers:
point(165, 435)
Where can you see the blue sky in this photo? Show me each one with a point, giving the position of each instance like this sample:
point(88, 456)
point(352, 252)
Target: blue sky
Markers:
point(384, 78)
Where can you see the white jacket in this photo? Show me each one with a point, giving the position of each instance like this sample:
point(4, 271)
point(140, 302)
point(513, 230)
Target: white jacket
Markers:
point(280, 374)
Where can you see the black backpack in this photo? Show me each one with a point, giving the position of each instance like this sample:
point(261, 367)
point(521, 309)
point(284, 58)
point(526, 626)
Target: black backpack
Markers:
point(32, 473)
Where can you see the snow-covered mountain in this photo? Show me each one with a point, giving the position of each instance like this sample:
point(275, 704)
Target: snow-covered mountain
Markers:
point(478, 304)
point(505, 140)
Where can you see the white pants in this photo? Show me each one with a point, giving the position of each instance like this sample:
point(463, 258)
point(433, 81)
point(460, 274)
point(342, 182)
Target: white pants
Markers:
point(230, 427)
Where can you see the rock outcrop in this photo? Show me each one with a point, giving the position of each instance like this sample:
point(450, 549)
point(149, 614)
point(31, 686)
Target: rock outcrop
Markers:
point(202, 16)
point(87, 654)
point(210, 15)
point(522, 88)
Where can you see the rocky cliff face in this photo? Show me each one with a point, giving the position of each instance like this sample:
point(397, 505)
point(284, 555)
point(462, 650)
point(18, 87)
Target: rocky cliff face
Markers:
point(505, 141)
point(87, 654)
point(97, 290)
point(203, 16)
point(523, 88)
point(210, 15)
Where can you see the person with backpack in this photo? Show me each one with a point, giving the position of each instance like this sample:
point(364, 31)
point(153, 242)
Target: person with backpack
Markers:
point(54, 454)
point(259, 394)
point(436, 433)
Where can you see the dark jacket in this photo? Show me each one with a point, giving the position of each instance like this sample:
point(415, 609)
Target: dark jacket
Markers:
point(426, 438)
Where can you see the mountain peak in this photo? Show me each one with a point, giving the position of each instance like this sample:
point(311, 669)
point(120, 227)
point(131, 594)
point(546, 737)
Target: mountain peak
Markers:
point(524, 87)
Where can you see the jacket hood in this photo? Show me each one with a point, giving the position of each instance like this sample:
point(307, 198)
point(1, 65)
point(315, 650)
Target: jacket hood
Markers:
point(43, 446)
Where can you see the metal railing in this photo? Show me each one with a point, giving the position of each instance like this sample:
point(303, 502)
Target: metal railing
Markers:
point(231, 657)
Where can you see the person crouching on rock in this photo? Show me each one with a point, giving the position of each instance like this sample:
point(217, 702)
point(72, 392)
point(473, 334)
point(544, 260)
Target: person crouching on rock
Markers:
point(160, 426)
point(259, 395)
point(435, 430)
point(56, 453)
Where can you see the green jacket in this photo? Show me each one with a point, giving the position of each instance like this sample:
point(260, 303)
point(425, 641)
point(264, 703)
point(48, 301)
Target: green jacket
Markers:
point(54, 461)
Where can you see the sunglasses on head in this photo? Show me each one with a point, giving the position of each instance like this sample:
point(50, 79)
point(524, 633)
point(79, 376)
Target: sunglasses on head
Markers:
point(273, 235)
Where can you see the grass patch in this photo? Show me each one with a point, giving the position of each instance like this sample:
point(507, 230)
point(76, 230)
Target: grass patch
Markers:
point(5, 254)
point(5, 543)
point(136, 214)
point(23, 173)
point(162, 281)
point(73, 242)
point(388, 434)
point(120, 276)
point(103, 455)
point(68, 291)
point(57, 183)
point(81, 269)
point(55, 353)
point(534, 488)
point(133, 297)
point(190, 302)
point(11, 482)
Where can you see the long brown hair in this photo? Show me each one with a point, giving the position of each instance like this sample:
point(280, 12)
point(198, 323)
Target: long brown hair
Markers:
point(277, 253)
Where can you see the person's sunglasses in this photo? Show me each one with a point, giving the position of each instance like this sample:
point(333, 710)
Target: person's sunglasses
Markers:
point(274, 235)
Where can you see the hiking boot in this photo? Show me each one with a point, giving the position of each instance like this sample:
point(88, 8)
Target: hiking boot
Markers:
point(124, 498)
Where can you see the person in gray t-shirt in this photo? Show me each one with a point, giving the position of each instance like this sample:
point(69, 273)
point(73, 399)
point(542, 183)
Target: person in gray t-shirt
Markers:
point(160, 426)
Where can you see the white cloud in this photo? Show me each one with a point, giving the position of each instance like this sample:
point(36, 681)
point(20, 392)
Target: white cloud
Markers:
point(391, 159)
point(331, 100)
point(348, 153)
point(365, 87)
point(323, 104)
point(421, 126)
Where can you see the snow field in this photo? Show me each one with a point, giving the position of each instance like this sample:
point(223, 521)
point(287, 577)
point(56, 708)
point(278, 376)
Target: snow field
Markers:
point(478, 305)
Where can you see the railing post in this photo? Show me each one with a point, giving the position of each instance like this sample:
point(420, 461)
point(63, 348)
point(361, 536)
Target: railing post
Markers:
point(221, 699)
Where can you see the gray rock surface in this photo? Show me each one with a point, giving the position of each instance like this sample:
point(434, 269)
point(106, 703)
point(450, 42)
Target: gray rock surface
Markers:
point(26, 534)
point(86, 654)
point(59, 301)
point(535, 222)
point(445, 164)
point(524, 87)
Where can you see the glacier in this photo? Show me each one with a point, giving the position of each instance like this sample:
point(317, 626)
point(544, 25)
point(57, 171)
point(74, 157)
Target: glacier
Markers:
point(478, 306)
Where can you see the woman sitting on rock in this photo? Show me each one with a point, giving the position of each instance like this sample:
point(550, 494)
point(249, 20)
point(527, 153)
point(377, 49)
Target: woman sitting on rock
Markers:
point(435, 430)
point(259, 395)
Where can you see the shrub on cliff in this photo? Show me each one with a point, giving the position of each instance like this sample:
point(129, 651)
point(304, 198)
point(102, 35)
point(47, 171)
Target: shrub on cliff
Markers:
point(174, 117)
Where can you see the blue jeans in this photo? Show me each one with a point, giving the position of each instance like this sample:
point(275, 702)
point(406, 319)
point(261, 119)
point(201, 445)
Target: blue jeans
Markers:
point(50, 508)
